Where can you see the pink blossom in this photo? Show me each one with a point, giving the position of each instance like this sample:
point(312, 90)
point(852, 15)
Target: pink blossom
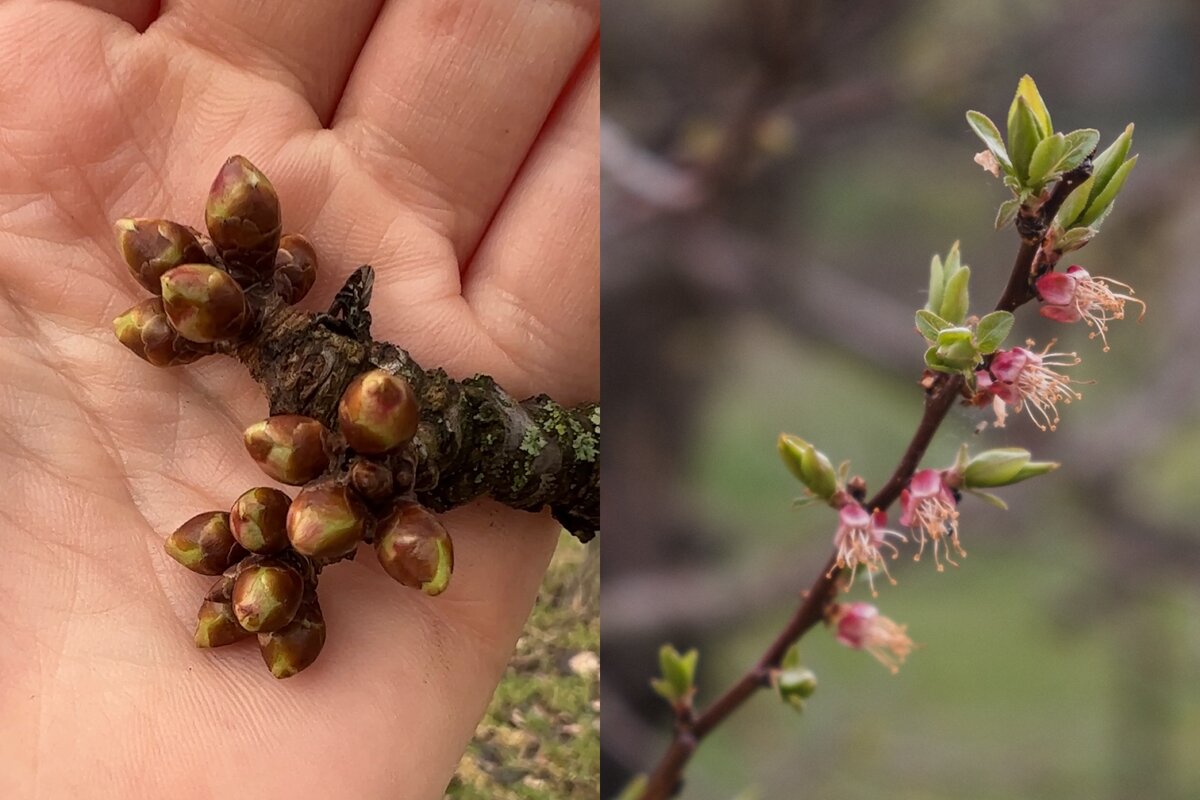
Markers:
point(1075, 295)
point(1025, 380)
point(861, 627)
point(860, 539)
point(930, 509)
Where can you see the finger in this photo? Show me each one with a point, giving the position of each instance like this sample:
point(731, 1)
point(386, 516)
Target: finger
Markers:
point(534, 284)
point(138, 13)
point(447, 98)
point(308, 45)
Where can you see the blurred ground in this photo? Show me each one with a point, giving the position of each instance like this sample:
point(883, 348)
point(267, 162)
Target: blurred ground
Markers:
point(540, 739)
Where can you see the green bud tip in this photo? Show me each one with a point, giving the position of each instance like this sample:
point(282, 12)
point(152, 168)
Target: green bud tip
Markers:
point(378, 412)
point(152, 246)
point(243, 217)
point(205, 544)
point(144, 329)
point(203, 303)
point(258, 520)
point(809, 465)
point(326, 520)
point(295, 268)
point(296, 645)
point(415, 549)
point(290, 448)
point(217, 625)
point(266, 596)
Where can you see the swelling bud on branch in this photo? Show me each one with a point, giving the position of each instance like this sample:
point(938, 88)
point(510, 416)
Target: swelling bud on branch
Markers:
point(295, 646)
point(415, 549)
point(808, 465)
point(258, 520)
point(326, 520)
point(266, 596)
point(291, 448)
point(145, 330)
point(216, 624)
point(205, 544)
point(295, 268)
point(203, 303)
point(152, 246)
point(378, 412)
point(243, 219)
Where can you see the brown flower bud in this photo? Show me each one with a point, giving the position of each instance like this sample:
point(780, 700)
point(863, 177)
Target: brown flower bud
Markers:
point(203, 303)
point(290, 448)
point(216, 624)
point(266, 596)
point(258, 520)
point(152, 246)
point(205, 544)
point(295, 268)
point(326, 520)
point(378, 412)
point(243, 219)
point(296, 645)
point(144, 330)
point(371, 480)
point(415, 549)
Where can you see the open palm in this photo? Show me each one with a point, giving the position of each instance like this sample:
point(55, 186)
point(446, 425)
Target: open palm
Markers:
point(452, 144)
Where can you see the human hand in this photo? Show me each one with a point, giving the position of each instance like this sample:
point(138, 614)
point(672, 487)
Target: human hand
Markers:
point(408, 135)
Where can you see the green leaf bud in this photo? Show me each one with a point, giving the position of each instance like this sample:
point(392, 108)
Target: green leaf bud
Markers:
point(258, 520)
point(290, 448)
point(326, 520)
point(152, 246)
point(378, 412)
point(415, 549)
point(809, 465)
point(144, 329)
point(295, 646)
point(266, 596)
point(205, 544)
point(203, 303)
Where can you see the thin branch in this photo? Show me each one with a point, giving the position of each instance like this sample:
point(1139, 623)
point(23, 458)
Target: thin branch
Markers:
point(667, 778)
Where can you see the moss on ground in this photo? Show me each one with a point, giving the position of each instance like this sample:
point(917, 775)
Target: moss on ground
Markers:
point(540, 739)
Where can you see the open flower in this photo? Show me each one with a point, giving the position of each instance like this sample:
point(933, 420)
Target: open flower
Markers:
point(862, 627)
point(1075, 295)
point(931, 511)
point(860, 539)
point(1025, 380)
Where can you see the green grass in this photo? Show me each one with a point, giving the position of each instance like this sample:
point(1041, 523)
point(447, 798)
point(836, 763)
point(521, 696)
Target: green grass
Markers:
point(540, 738)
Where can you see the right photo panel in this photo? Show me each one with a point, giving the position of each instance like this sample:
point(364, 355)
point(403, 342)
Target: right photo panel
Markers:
point(900, 307)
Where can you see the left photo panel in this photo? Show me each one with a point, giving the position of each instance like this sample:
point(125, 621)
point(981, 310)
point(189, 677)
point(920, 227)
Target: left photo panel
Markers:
point(299, 393)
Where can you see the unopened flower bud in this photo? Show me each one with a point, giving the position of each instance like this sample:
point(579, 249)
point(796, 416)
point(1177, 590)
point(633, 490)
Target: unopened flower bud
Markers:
point(144, 330)
point(203, 303)
point(296, 645)
point(266, 596)
point(326, 520)
point(372, 480)
point(205, 544)
point(259, 520)
point(378, 412)
point(295, 268)
point(216, 624)
point(152, 246)
point(290, 448)
point(415, 549)
point(809, 465)
point(1003, 467)
point(243, 218)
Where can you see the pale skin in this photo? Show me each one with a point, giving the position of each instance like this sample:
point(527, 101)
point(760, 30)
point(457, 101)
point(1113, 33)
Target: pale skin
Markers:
point(453, 145)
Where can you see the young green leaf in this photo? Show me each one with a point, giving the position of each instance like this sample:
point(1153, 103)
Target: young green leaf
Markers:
point(1023, 137)
point(1074, 205)
point(930, 324)
point(956, 299)
point(989, 498)
point(937, 282)
point(986, 130)
point(1006, 214)
point(1107, 163)
point(1109, 194)
point(1080, 145)
point(1027, 90)
point(1075, 239)
point(1045, 158)
point(992, 330)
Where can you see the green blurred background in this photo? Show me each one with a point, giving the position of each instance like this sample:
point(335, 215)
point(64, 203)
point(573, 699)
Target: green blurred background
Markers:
point(776, 178)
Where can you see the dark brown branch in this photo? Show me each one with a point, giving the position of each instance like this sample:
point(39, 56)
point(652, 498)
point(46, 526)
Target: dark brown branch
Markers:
point(667, 778)
point(474, 439)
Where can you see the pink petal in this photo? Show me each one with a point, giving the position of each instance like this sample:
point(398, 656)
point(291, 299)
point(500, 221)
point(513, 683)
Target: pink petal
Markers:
point(1061, 313)
point(1007, 364)
point(1079, 272)
point(926, 483)
point(906, 505)
point(1056, 288)
point(853, 515)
